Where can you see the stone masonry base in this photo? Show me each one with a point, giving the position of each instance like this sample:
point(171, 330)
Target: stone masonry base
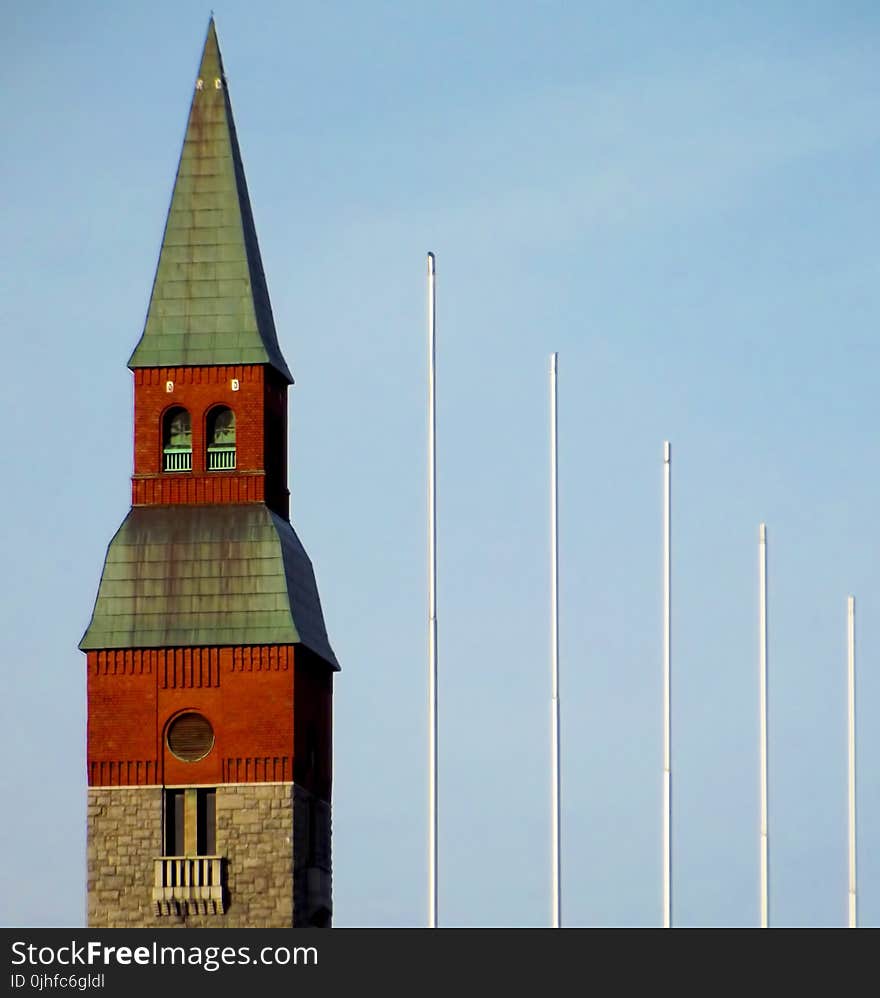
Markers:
point(275, 840)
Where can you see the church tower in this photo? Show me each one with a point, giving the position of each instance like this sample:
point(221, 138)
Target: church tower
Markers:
point(209, 667)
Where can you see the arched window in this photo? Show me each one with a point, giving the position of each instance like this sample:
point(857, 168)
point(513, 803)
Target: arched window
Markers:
point(177, 440)
point(221, 439)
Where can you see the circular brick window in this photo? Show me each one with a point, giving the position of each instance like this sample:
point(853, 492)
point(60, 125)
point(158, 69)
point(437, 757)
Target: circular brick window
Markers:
point(190, 737)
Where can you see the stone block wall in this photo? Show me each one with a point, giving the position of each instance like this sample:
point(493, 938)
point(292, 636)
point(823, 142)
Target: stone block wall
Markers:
point(124, 837)
point(275, 838)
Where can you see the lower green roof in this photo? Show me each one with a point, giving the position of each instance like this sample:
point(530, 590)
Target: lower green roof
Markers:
point(207, 575)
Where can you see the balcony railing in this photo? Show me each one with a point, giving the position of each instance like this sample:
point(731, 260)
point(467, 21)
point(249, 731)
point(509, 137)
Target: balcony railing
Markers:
point(221, 458)
point(177, 460)
point(188, 885)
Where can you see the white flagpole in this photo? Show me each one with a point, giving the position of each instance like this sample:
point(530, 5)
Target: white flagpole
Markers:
point(762, 557)
point(851, 740)
point(432, 606)
point(554, 642)
point(667, 684)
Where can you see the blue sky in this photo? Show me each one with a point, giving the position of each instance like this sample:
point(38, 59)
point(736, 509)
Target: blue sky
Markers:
point(681, 200)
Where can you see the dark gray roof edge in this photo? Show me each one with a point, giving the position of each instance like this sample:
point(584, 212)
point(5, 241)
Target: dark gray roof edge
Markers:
point(301, 575)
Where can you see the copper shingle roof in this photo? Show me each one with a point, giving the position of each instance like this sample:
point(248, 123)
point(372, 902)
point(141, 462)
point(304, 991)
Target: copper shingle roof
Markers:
point(191, 576)
point(210, 303)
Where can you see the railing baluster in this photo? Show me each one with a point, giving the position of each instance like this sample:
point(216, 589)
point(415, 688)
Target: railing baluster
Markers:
point(188, 881)
point(221, 460)
point(177, 460)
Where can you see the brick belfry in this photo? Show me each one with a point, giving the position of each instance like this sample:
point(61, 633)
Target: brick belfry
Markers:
point(209, 667)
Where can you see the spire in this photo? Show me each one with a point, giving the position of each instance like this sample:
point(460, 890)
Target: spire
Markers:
point(210, 304)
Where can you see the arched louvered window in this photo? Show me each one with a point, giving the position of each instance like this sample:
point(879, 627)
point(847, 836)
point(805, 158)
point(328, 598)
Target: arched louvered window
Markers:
point(221, 439)
point(176, 440)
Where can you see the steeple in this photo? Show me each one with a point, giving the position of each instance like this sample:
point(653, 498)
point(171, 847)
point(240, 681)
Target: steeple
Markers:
point(210, 304)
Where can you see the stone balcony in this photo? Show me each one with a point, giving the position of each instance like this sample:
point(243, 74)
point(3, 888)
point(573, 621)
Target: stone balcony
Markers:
point(189, 885)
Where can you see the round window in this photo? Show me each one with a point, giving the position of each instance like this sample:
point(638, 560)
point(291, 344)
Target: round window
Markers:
point(190, 737)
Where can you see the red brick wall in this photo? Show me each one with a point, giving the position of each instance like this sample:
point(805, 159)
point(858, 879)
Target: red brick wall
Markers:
point(256, 698)
point(260, 407)
point(218, 487)
point(121, 696)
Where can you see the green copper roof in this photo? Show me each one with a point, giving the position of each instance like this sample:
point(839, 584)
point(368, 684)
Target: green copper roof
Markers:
point(210, 304)
point(207, 575)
